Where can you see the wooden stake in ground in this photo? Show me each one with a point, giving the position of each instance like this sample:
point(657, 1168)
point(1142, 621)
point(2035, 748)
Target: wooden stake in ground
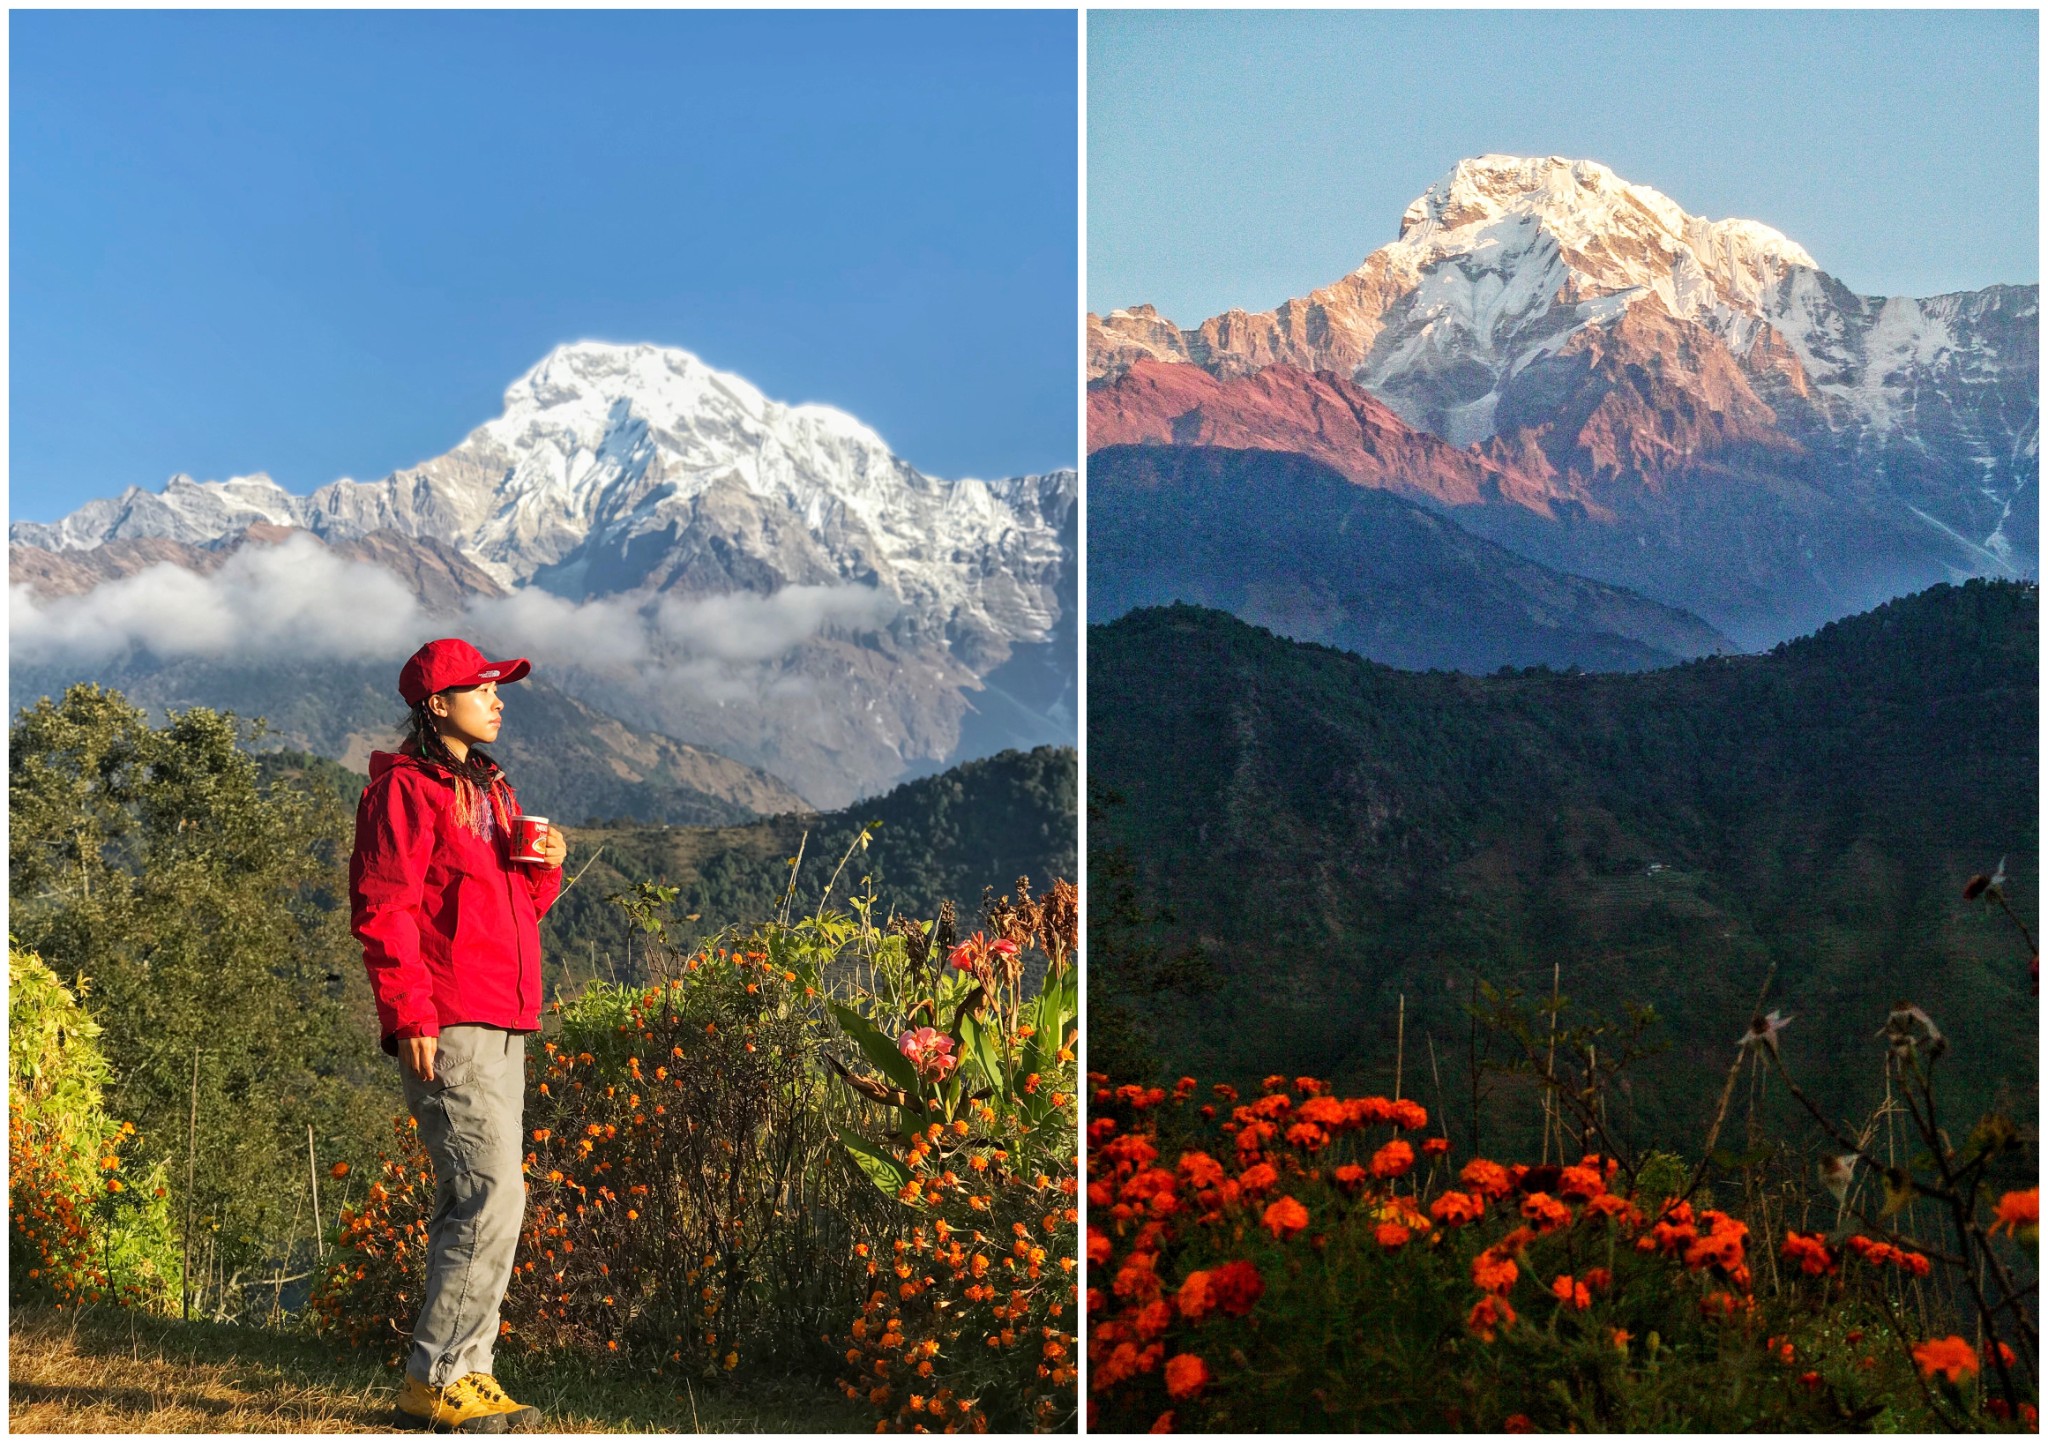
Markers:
point(1400, 1042)
point(313, 1172)
point(191, 1151)
point(1550, 1074)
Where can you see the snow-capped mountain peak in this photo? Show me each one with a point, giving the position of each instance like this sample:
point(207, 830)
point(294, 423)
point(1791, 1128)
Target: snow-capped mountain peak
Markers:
point(616, 468)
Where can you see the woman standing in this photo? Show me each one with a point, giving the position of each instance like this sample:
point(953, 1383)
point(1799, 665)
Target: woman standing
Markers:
point(450, 927)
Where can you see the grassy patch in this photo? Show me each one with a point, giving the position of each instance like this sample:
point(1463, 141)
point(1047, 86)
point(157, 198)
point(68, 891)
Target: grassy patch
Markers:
point(110, 1371)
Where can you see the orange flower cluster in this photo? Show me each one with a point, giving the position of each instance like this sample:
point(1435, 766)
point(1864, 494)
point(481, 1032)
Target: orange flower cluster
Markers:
point(1812, 1255)
point(1878, 1254)
point(63, 1193)
point(1142, 1209)
point(1488, 1316)
point(1951, 1356)
point(2018, 1212)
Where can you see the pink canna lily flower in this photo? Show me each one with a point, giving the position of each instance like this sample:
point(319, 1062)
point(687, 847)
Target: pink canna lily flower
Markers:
point(929, 1050)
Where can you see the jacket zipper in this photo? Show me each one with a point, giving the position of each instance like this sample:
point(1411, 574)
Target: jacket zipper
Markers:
point(518, 949)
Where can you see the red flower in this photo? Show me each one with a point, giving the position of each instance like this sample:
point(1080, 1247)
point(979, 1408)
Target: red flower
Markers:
point(1392, 1160)
point(1951, 1356)
point(1236, 1287)
point(1258, 1179)
point(1488, 1179)
point(1455, 1209)
point(1186, 1374)
point(1807, 1250)
point(2018, 1211)
point(1285, 1218)
point(1487, 1315)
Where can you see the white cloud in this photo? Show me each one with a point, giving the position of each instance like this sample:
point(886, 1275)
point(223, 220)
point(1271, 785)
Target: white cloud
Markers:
point(749, 627)
point(293, 599)
point(300, 599)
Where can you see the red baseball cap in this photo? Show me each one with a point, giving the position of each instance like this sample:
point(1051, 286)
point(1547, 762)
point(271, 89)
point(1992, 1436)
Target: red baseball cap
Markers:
point(452, 661)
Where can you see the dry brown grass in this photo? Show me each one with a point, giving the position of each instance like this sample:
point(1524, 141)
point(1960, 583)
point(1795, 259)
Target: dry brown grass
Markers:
point(108, 1371)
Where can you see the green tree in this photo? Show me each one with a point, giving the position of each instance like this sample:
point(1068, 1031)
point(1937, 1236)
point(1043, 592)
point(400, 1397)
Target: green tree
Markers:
point(208, 908)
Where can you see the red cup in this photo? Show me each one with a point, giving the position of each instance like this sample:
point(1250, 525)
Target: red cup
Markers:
point(528, 833)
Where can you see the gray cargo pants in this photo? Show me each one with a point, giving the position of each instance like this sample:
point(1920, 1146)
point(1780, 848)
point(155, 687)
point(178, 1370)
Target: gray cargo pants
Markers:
point(470, 1119)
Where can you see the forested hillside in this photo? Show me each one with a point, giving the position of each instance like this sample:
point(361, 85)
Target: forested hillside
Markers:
point(1331, 835)
point(943, 838)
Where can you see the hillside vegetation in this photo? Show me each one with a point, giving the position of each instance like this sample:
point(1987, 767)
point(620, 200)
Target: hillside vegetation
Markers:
point(1332, 836)
point(941, 839)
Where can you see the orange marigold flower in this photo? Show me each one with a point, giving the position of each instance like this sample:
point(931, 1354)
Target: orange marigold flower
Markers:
point(1494, 1272)
point(2018, 1210)
point(1390, 1236)
point(1195, 1298)
point(1198, 1170)
point(1162, 1424)
point(1306, 1136)
point(1581, 1184)
point(1950, 1356)
point(1488, 1179)
point(1098, 1247)
point(1607, 1205)
point(1599, 1279)
point(1455, 1209)
point(1237, 1287)
point(1393, 1160)
point(1546, 1212)
point(1435, 1146)
point(1154, 1319)
point(339, 1170)
point(1350, 1177)
point(1273, 1082)
point(1186, 1373)
point(1572, 1294)
point(1488, 1315)
point(1258, 1179)
point(1285, 1218)
point(1807, 1250)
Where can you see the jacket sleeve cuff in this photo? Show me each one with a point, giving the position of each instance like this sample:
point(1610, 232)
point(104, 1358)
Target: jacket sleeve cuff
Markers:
point(417, 1029)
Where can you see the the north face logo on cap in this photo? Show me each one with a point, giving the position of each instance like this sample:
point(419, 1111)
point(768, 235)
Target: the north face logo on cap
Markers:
point(492, 672)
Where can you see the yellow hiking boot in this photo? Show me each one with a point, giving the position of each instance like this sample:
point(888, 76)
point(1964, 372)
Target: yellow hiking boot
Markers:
point(458, 1408)
point(518, 1416)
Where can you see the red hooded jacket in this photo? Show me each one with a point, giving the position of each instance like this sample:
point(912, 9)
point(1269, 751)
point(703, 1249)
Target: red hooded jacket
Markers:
point(450, 926)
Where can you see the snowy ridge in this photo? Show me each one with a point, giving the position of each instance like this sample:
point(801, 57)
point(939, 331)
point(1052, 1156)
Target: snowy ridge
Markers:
point(608, 458)
point(1499, 263)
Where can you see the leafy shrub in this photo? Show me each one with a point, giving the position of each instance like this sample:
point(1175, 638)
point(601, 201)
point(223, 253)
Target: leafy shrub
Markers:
point(702, 1173)
point(84, 1230)
point(968, 1323)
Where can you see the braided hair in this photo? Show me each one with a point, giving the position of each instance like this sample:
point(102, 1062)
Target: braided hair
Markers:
point(482, 794)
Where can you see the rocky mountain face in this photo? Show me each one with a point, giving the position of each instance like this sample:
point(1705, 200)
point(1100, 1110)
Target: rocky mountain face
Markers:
point(1714, 418)
point(811, 603)
point(1286, 542)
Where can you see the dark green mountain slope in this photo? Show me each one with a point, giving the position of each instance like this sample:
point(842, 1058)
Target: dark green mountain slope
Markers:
point(1333, 834)
point(983, 824)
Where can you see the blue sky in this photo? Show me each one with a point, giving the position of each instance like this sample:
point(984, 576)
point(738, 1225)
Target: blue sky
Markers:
point(323, 243)
point(1243, 158)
